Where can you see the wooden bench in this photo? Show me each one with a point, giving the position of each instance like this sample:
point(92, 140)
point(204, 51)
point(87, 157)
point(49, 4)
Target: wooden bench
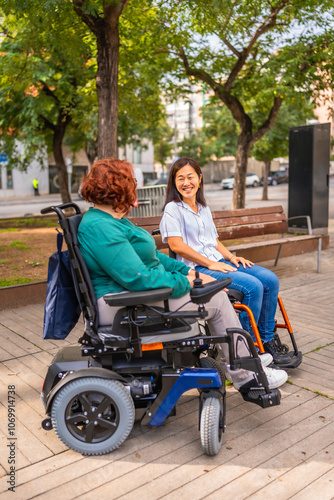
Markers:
point(244, 223)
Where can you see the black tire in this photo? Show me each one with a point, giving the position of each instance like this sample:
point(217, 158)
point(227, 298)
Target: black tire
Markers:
point(92, 415)
point(255, 184)
point(212, 426)
point(209, 362)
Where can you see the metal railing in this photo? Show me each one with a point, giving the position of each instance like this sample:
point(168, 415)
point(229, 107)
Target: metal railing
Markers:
point(150, 201)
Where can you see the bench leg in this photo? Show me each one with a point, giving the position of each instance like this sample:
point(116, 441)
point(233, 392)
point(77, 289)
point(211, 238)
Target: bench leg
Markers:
point(278, 254)
point(319, 255)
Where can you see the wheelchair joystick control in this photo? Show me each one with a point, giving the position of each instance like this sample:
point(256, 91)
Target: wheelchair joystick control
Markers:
point(198, 283)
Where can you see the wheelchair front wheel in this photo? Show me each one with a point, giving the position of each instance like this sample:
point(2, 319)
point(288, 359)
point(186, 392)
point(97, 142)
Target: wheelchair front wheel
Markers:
point(212, 426)
point(93, 416)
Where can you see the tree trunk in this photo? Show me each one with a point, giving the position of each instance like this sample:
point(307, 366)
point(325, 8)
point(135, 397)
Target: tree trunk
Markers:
point(267, 164)
point(105, 28)
point(107, 88)
point(60, 164)
point(91, 152)
point(241, 160)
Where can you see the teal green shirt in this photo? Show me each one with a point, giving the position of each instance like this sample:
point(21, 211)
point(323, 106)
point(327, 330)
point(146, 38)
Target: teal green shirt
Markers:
point(121, 256)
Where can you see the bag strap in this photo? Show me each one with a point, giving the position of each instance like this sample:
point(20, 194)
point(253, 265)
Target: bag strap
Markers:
point(60, 237)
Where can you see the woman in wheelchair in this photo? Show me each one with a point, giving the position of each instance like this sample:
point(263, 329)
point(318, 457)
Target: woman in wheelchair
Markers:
point(121, 257)
point(188, 228)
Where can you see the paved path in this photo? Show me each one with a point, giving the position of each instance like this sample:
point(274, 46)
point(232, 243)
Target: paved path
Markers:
point(282, 452)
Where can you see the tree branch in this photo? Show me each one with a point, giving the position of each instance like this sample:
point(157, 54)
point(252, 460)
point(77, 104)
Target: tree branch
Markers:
point(269, 122)
point(233, 104)
point(268, 23)
point(47, 123)
point(113, 11)
point(90, 20)
point(47, 91)
point(230, 46)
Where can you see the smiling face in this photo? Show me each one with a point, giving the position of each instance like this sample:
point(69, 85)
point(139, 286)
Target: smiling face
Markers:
point(187, 183)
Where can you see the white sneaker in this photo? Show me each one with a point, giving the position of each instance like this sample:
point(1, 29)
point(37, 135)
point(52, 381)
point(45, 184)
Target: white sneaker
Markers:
point(265, 359)
point(275, 378)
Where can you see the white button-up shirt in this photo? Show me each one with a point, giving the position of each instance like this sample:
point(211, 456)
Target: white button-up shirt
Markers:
point(196, 230)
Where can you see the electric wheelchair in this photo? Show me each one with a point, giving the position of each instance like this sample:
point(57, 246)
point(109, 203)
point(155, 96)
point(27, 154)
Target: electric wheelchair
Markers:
point(136, 369)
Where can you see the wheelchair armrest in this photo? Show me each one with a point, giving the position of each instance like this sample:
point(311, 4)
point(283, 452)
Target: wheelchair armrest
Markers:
point(203, 294)
point(136, 298)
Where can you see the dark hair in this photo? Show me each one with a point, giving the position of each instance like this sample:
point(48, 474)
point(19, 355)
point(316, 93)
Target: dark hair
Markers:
point(172, 193)
point(111, 182)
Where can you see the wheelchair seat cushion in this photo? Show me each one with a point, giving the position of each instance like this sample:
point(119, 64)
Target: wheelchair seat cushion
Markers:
point(152, 327)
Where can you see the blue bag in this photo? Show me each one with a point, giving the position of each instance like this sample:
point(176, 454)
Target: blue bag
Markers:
point(62, 310)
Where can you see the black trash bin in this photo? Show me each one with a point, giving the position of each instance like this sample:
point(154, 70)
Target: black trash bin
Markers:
point(309, 156)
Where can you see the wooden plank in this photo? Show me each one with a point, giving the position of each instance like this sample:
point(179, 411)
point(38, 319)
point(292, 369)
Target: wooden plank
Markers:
point(200, 480)
point(146, 221)
point(247, 211)
point(276, 241)
point(249, 220)
point(229, 233)
point(287, 472)
point(322, 488)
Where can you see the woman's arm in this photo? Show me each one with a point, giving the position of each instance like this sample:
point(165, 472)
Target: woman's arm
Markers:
point(233, 258)
point(178, 246)
point(117, 258)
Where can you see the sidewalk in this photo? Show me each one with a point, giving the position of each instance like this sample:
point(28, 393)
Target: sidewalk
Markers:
point(32, 205)
point(280, 453)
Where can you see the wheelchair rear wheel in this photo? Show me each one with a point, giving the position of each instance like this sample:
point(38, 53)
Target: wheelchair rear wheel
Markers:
point(212, 426)
point(93, 416)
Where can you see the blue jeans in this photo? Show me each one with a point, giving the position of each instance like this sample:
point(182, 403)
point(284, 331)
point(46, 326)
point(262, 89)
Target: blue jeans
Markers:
point(260, 288)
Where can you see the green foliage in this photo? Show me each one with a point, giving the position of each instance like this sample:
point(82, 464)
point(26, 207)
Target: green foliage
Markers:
point(27, 222)
point(163, 143)
point(19, 245)
point(196, 146)
point(275, 143)
point(58, 52)
point(41, 81)
point(217, 138)
point(253, 56)
point(17, 280)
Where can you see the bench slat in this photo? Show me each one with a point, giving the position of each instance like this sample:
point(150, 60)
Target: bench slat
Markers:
point(146, 221)
point(240, 212)
point(249, 219)
point(274, 242)
point(229, 233)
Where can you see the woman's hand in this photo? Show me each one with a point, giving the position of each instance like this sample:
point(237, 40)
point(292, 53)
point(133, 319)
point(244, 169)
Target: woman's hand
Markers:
point(244, 262)
point(220, 266)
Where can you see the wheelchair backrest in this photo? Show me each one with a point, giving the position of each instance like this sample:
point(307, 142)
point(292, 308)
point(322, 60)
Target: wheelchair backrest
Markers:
point(81, 278)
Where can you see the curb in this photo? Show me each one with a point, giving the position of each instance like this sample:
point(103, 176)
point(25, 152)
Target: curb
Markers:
point(15, 296)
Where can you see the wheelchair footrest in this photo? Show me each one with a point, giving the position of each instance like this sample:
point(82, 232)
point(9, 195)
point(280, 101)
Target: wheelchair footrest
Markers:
point(262, 398)
point(295, 360)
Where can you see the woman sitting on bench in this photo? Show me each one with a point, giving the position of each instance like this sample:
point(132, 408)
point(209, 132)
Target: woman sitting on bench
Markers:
point(188, 228)
point(121, 256)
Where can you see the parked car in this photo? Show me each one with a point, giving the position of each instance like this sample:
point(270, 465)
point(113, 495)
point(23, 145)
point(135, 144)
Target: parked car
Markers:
point(277, 177)
point(251, 180)
point(157, 182)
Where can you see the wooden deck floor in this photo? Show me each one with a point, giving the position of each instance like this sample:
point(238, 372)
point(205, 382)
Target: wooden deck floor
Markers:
point(282, 452)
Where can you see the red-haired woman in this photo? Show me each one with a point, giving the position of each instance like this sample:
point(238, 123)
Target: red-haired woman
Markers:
point(121, 256)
